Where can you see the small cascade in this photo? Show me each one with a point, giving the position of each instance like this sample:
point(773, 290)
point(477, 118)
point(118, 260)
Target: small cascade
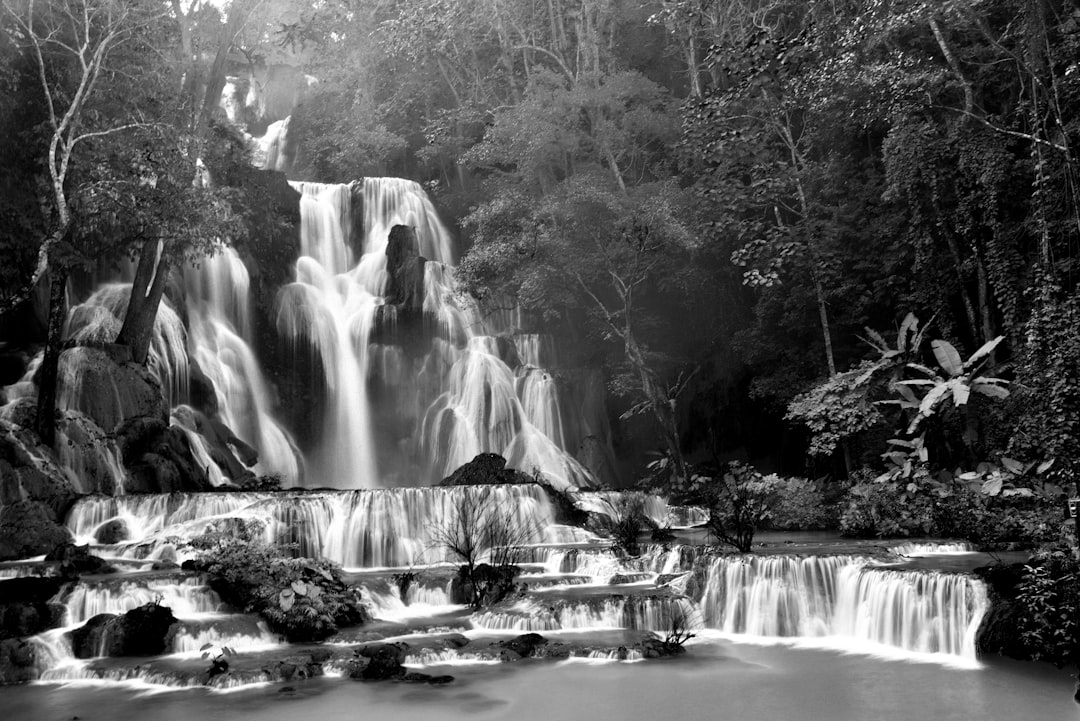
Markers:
point(641, 613)
point(932, 549)
point(920, 611)
point(844, 597)
point(358, 529)
point(239, 633)
point(187, 597)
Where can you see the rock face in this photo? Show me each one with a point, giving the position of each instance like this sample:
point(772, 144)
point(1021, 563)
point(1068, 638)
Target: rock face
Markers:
point(30, 472)
point(158, 458)
point(100, 383)
point(28, 528)
point(83, 449)
point(143, 631)
point(404, 264)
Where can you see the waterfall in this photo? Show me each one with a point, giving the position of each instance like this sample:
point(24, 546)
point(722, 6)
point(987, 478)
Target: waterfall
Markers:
point(844, 597)
point(220, 337)
point(463, 394)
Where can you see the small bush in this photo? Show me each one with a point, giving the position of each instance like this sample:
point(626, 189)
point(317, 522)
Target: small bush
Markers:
point(301, 598)
point(879, 510)
point(995, 523)
point(1048, 601)
point(800, 504)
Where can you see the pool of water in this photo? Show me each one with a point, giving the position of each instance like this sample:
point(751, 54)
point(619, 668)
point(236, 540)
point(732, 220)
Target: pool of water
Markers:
point(716, 680)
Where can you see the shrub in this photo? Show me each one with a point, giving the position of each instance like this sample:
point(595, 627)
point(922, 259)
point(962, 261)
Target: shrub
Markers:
point(741, 502)
point(874, 509)
point(994, 523)
point(1048, 601)
point(801, 504)
point(301, 598)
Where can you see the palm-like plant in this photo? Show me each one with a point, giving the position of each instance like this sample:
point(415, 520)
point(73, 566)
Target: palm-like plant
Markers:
point(960, 379)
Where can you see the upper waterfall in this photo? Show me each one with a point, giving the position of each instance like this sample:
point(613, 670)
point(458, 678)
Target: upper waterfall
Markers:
point(414, 380)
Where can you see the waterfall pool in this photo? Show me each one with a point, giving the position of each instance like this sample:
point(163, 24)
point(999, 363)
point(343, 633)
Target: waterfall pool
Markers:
point(716, 679)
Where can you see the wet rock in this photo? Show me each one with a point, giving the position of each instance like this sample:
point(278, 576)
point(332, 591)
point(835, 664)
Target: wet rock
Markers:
point(508, 655)
point(77, 560)
point(525, 644)
point(143, 631)
point(384, 661)
point(321, 655)
point(17, 659)
point(456, 640)
point(28, 528)
point(112, 532)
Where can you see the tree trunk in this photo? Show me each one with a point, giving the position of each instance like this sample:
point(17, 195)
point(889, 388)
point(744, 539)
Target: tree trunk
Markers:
point(146, 292)
point(50, 363)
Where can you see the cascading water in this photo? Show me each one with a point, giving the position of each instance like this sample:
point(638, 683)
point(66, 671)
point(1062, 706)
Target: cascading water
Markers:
point(844, 597)
point(220, 335)
point(360, 529)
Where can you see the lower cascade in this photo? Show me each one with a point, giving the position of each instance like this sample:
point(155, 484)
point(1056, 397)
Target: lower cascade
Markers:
point(844, 597)
point(570, 583)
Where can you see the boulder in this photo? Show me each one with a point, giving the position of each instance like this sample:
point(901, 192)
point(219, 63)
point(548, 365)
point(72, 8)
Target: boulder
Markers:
point(384, 661)
point(484, 469)
point(112, 532)
point(143, 631)
point(28, 528)
point(100, 383)
point(524, 645)
point(77, 560)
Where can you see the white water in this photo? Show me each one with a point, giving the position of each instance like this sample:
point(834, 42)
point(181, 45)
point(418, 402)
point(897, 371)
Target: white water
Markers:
point(844, 598)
